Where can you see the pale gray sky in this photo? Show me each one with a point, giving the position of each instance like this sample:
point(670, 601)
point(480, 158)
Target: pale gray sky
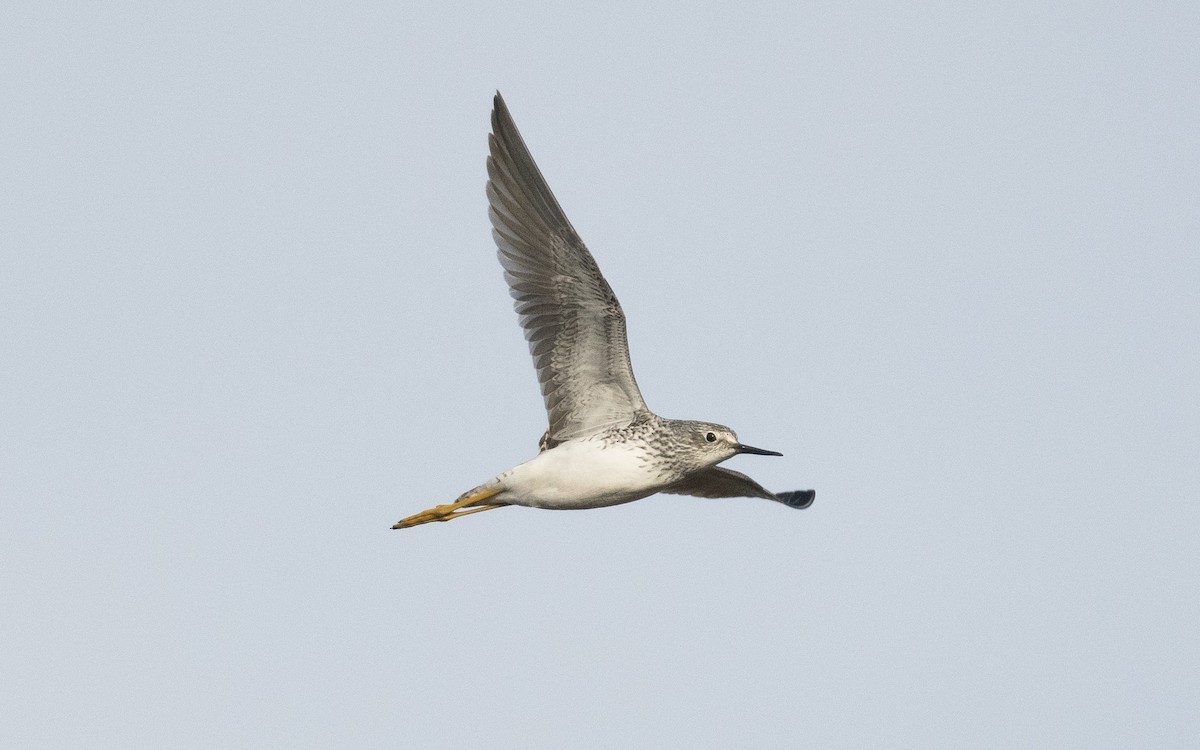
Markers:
point(944, 259)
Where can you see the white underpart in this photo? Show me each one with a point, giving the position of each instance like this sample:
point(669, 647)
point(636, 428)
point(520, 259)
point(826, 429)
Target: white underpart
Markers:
point(588, 473)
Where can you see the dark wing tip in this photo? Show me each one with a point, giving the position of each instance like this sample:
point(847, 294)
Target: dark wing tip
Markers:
point(798, 499)
point(501, 117)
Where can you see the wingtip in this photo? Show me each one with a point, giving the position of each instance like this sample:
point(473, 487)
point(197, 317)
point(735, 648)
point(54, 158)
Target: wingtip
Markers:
point(798, 499)
point(501, 118)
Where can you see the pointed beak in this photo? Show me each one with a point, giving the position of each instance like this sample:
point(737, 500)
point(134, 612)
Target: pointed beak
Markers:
point(756, 451)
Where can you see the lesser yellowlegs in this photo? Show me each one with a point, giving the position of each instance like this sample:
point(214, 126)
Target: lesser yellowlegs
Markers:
point(604, 446)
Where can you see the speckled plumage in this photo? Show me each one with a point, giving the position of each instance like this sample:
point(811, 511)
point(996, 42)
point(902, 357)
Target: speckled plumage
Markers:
point(603, 445)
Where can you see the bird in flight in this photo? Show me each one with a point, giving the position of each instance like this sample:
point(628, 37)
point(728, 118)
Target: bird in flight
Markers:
point(603, 446)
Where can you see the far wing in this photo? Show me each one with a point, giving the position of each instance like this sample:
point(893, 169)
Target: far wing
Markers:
point(721, 482)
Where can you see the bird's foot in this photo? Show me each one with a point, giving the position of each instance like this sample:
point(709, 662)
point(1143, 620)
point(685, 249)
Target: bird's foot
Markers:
point(463, 507)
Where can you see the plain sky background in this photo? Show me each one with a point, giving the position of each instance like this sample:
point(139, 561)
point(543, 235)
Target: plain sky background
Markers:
point(946, 259)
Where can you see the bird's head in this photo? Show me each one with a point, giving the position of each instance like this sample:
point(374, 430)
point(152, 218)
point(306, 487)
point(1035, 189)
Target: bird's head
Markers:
point(714, 443)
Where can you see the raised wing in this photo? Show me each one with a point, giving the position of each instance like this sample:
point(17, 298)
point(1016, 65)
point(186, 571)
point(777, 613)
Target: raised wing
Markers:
point(572, 320)
point(721, 482)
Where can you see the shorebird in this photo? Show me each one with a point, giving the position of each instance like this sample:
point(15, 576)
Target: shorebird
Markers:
point(603, 446)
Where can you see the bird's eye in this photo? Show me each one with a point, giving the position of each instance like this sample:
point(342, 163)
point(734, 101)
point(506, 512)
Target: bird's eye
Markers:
point(711, 437)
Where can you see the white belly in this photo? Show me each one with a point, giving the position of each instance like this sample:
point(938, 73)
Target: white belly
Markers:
point(581, 474)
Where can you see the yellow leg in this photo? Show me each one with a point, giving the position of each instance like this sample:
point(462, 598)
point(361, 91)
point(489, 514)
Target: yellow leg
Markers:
point(453, 510)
